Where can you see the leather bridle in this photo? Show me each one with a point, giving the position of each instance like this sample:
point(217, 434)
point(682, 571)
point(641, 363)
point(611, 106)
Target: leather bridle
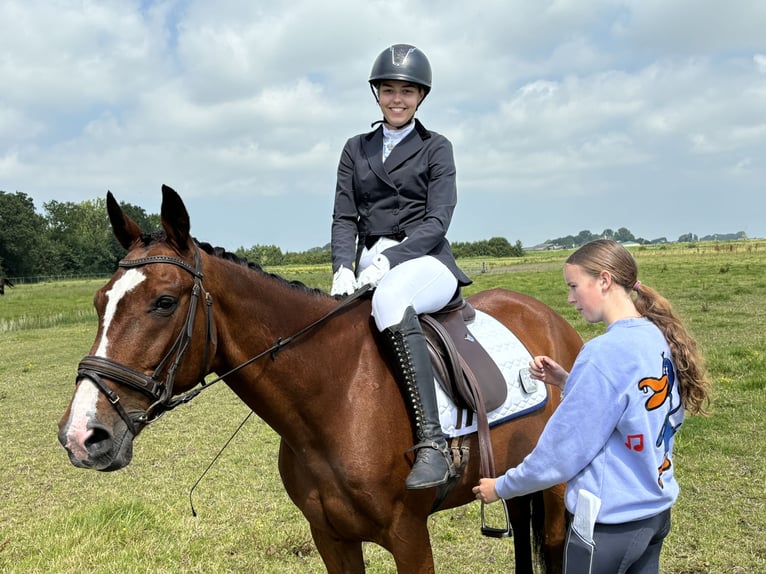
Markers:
point(160, 392)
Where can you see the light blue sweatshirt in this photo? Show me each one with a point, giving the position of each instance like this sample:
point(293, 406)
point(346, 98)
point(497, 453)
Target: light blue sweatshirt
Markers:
point(613, 433)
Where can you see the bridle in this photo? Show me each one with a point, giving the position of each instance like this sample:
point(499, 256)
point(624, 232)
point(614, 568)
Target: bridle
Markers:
point(160, 392)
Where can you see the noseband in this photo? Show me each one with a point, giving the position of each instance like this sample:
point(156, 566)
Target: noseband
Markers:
point(161, 393)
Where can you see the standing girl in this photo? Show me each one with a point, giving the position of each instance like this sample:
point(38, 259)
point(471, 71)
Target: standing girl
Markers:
point(611, 439)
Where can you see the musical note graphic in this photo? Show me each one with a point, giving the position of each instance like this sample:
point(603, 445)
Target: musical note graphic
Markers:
point(635, 442)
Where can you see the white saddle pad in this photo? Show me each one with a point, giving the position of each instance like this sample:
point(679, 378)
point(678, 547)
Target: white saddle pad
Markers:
point(511, 356)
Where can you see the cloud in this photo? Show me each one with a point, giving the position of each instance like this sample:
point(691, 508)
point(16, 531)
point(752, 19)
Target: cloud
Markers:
point(559, 106)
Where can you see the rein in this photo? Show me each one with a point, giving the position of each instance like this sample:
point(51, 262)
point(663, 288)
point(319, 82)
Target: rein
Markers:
point(271, 351)
point(160, 392)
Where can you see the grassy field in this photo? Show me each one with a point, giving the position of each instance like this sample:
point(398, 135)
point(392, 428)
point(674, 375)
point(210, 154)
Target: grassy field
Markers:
point(58, 519)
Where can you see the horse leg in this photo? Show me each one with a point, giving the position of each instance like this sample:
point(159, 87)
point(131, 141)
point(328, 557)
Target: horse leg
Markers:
point(555, 528)
point(519, 513)
point(339, 556)
point(410, 544)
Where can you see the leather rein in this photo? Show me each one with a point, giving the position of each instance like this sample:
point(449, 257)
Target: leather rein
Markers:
point(161, 393)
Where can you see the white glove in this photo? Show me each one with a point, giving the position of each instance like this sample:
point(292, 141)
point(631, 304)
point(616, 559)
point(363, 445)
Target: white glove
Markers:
point(343, 282)
point(374, 273)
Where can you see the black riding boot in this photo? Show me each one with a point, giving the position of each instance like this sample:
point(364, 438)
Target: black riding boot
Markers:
point(412, 367)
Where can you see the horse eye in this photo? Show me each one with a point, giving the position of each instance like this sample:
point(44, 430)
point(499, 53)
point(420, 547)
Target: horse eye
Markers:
point(166, 303)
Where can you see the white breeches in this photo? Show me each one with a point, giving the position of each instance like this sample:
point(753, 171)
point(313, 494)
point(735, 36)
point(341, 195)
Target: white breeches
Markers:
point(424, 283)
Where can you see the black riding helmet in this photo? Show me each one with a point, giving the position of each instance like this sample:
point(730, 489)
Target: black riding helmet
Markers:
point(401, 62)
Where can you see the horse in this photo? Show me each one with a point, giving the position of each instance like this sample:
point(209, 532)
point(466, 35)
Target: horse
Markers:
point(3, 282)
point(177, 310)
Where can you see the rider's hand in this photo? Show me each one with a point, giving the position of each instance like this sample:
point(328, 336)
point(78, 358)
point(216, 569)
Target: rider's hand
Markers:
point(372, 274)
point(343, 282)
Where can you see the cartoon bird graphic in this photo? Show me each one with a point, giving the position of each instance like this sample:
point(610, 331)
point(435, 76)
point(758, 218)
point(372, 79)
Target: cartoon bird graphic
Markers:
point(660, 388)
point(662, 391)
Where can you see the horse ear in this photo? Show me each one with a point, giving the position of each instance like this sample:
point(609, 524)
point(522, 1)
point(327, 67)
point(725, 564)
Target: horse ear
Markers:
point(175, 218)
point(124, 228)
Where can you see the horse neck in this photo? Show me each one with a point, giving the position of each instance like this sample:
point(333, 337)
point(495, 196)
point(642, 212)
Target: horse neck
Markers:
point(254, 309)
point(291, 390)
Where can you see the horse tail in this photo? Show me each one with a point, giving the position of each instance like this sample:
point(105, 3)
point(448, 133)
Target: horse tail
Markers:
point(538, 531)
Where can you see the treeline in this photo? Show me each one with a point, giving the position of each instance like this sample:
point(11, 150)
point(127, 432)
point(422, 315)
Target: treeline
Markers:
point(66, 239)
point(624, 235)
point(75, 239)
point(495, 247)
point(273, 255)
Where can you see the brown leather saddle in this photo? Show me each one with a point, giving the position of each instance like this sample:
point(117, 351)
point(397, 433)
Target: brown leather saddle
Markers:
point(464, 369)
point(470, 377)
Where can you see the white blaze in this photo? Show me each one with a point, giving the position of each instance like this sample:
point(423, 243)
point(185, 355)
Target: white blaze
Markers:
point(125, 284)
point(83, 408)
point(84, 403)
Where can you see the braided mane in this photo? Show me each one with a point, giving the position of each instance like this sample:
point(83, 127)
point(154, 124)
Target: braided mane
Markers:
point(221, 253)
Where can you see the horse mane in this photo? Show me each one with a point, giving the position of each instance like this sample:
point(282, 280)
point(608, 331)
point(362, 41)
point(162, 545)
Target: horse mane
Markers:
point(221, 253)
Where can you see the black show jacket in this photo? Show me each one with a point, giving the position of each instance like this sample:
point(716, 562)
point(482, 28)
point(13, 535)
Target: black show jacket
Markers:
point(413, 192)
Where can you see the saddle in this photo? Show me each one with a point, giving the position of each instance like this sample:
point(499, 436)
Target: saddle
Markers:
point(470, 377)
point(464, 369)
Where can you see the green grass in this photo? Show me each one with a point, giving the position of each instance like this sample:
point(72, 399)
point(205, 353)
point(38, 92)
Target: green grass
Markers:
point(55, 518)
point(51, 304)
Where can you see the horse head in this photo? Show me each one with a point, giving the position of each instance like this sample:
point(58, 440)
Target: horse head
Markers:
point(155, 339)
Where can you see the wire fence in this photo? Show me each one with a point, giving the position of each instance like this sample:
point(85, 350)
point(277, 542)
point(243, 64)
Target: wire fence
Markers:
point(51, 278)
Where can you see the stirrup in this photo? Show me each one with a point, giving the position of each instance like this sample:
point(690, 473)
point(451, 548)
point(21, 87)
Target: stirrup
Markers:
point(494, 532)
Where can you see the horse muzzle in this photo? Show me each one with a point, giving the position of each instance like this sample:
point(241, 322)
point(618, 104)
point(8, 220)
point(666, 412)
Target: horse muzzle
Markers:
point(92, 440)
point(98, 448)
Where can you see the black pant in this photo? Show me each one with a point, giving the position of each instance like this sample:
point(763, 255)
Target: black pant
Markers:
point(629, 548)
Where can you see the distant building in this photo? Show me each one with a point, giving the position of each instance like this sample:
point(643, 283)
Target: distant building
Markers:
point(547, 246)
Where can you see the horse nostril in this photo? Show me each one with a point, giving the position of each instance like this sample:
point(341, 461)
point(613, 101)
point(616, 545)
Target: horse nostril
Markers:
point(99, 440)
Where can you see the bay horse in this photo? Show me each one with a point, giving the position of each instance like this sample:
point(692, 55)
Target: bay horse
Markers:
point(177, 310)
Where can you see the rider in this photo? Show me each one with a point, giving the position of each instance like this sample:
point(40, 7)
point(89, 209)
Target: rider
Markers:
point(394, 199)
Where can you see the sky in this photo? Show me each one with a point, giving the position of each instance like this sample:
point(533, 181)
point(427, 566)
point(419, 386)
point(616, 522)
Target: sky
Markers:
point(564, 115)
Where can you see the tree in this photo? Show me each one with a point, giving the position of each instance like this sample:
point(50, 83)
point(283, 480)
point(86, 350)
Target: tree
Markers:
point(584, 237)
point(314, 256)
point(23, 241)
point(499, 247)
point(495, 247)
point(81, 235)
point(623, 235)
point(263, 255)
point(147, 222)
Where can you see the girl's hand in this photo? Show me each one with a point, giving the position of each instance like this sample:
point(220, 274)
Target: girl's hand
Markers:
point(545, 369)
point(485, 490)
